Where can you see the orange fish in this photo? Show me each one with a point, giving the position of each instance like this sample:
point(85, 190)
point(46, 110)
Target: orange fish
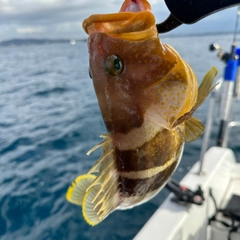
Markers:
point(147, 94)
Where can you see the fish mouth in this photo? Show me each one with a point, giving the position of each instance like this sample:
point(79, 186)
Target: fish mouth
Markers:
point(135, 6)
point(134, 21)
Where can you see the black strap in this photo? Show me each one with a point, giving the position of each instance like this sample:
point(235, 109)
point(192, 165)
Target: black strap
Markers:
point(235, 224)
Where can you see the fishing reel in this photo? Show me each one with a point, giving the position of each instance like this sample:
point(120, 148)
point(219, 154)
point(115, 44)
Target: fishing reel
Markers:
point(223, 56)
point(184, 194)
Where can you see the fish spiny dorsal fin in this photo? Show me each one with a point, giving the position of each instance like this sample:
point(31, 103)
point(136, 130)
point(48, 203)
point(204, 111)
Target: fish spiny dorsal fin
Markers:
point(193, 129)
point(105, 143)
point(106, 157)
point(98, 195)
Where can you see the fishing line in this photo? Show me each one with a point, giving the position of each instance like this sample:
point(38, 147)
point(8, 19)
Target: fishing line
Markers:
point(235, 34)
point(236, 26)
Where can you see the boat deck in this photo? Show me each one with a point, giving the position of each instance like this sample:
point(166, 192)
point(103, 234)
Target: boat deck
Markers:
point(173, 221)
point(217, 230)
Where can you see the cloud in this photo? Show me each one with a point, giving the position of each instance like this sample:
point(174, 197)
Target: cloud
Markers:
point(30, 30)
point(53, 10)
point(63, 18)
point(51, 18)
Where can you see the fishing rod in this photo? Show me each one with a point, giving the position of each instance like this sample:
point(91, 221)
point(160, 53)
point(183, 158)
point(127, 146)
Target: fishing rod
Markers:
point(237, 83)
point(230, 89)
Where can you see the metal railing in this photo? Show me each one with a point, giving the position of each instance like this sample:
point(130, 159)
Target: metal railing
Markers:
point(228, 90)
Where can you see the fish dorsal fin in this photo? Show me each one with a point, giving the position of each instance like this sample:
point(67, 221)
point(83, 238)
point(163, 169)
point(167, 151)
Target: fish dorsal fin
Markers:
point(100, 200)
point(98, 195)
point(206, 86)
point(193, 129)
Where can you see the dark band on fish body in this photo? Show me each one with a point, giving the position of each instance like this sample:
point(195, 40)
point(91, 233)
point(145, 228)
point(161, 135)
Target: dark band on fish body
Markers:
point(151, 154)
point(133, 116)
point(139, 187)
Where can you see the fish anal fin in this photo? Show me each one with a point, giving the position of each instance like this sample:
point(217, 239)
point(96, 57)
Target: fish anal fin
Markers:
point(193, 129)
point(77, 190)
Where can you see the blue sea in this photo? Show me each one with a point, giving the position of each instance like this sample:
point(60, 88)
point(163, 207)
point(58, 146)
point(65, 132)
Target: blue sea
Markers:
point(49, 119)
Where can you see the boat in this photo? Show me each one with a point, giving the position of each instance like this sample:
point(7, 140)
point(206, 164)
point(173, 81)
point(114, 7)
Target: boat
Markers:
point(205, 205)
point(220, 178)
point(72, 41)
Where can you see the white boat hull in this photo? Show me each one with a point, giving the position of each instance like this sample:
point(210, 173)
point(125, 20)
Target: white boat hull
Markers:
point(173, 221)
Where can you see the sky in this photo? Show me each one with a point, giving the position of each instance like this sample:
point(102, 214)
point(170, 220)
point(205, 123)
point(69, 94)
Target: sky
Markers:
point(63, 18)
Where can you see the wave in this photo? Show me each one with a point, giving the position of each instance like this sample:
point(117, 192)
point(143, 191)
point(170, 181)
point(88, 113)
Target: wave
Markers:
point(56, 90)
point(39, 73)
point(24, 141)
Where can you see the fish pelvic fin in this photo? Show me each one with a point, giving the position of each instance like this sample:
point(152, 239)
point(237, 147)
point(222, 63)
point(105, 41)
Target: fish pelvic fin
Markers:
point(193, 129)
point(97, 191)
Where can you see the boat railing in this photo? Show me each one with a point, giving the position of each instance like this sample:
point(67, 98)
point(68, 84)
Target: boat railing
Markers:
point(226, 91)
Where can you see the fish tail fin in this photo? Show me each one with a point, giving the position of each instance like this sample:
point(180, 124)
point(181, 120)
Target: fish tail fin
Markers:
point(98, 195)
point(206, 86)
point(193, 127)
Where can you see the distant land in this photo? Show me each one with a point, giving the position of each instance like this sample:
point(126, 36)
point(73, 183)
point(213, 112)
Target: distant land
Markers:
point(29, 41)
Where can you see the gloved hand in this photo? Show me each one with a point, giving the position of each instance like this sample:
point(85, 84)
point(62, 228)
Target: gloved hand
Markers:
point(191, 11)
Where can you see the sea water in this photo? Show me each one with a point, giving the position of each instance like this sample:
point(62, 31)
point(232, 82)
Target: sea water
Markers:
point(49, 119)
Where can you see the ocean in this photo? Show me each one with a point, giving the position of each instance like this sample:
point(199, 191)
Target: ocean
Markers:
point(49, 119)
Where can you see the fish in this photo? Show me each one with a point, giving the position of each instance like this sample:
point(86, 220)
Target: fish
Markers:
point(147, 95)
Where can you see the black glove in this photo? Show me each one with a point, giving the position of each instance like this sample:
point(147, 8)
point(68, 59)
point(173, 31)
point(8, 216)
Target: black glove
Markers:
point(191, 11)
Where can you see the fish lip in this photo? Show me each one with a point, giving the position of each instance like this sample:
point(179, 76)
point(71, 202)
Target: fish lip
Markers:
point(125, 24)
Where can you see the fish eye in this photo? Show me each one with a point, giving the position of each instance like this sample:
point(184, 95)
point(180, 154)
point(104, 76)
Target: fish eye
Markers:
point(89, 72)
point(114, 65)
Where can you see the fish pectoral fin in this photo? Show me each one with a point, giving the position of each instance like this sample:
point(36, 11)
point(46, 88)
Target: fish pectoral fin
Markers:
point(193, 129)
point(206, 86)
point(77, 190)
